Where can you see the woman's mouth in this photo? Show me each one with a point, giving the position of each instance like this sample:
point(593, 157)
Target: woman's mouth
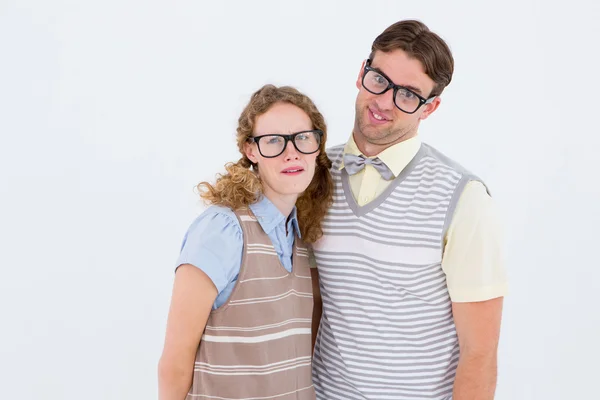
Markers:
point(293, 171)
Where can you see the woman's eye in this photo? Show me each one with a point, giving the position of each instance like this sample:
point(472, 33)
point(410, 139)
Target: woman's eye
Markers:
point(273, 140)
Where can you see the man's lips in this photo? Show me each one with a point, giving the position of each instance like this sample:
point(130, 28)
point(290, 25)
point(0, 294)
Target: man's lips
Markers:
point(376, 116)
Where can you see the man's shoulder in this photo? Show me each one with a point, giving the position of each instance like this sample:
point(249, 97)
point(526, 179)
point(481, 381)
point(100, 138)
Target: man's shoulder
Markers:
point(465, 175)
point(335, 154)
point(441, 158)
point(335, 151)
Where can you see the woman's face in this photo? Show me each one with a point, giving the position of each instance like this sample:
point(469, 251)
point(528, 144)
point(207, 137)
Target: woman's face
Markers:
point(289, 174)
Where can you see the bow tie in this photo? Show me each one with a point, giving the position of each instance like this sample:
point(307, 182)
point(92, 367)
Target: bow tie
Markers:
point(354, 164)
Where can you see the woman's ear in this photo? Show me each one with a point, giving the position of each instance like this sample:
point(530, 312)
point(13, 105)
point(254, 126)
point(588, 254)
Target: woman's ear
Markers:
point(250, 151)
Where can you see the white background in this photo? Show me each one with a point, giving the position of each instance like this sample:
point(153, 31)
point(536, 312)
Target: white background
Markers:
point(111, 112)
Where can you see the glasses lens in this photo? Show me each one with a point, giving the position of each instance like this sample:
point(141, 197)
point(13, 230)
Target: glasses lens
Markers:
point(271, 146)
point(406, 100)
point(374, 82)
point(307, 142)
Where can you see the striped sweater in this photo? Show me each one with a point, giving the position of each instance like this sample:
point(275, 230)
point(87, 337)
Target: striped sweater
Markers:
point(387, 330)
point(258, 344)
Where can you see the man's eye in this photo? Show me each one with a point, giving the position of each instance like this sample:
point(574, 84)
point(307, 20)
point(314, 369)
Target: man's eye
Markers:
point(380, 80)
point(407, 94)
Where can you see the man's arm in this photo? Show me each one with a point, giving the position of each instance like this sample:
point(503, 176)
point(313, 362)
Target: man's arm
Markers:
point(476, 280)
point(478, 329)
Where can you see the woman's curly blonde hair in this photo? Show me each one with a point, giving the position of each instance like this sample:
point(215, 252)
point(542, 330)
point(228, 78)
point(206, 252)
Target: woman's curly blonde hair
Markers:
point(240, 186)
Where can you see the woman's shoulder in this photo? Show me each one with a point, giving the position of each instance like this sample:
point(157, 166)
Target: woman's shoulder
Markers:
point(221, 211)
point(217, 218)
point(214, 244)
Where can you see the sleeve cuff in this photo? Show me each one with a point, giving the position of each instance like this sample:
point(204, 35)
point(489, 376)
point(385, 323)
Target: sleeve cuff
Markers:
point(470, 295)
point(217, 278)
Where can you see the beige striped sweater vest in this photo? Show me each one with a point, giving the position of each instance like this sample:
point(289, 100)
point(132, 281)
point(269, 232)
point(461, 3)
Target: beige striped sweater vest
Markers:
point(258, 344)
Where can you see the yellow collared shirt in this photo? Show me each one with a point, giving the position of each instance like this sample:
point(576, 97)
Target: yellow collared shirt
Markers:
point(472, 259)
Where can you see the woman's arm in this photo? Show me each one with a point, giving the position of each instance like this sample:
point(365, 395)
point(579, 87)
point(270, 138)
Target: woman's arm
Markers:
point(193, 296)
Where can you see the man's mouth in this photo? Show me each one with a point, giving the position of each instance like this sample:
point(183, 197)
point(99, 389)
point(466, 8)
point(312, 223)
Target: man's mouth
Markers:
point(376, 116)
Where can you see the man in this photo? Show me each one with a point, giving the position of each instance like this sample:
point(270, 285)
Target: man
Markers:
point(409, 266)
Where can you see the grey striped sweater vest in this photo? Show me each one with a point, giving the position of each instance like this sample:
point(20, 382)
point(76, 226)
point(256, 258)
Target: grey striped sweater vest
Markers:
point(387, 330)
point(258, 344)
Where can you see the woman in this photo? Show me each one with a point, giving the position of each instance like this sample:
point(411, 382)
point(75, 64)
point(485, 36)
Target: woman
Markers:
point(241, 310)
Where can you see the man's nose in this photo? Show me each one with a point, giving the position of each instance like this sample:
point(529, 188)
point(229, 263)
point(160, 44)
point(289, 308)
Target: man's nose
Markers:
point(385, 101)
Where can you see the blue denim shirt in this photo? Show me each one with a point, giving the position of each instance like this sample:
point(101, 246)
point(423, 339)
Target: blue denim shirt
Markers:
point(214, 242)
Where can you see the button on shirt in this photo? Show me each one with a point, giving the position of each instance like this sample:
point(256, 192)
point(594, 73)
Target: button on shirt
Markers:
point(214, 243)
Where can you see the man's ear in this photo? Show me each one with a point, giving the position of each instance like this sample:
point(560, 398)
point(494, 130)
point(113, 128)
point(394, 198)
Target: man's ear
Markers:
point(360, 75)
point(250, 151)
point(430, 108)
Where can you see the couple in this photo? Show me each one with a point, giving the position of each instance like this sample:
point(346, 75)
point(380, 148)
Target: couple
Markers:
point(406, 284)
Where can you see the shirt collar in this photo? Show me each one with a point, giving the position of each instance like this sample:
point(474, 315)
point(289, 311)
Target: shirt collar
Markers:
point(396, 157)
point(269, 216)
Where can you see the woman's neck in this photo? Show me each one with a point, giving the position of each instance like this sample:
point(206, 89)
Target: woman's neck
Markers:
point(284, 203)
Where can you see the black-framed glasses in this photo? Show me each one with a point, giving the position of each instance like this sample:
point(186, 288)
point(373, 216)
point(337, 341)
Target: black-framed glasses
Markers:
point(270, 146)
point(405, 99)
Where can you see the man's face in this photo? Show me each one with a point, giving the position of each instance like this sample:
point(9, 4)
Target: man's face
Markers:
point(378, 122)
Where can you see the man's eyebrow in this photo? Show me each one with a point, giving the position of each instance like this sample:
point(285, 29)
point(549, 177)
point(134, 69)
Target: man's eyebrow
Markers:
point(413, 88)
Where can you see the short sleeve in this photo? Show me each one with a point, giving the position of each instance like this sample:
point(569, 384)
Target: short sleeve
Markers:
point(473, 254)
point(214, 244)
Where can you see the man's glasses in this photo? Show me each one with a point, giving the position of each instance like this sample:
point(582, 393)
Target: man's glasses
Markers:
point(270, 146)
point(405, 99)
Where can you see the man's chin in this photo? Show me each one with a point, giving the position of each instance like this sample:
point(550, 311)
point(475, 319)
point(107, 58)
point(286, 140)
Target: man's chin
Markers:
point(373, 134)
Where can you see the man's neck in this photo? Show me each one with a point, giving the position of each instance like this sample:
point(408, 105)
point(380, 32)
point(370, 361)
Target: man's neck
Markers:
point(370, 149)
